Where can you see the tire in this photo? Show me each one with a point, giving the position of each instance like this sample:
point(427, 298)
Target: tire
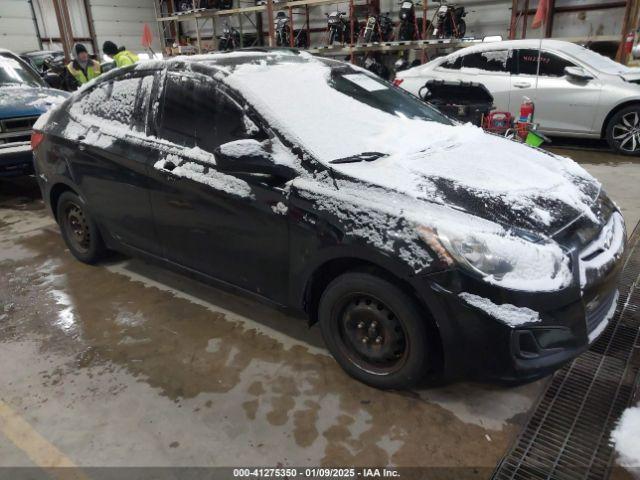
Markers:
point(375, 331)
point(623, 131)
point(79, 231)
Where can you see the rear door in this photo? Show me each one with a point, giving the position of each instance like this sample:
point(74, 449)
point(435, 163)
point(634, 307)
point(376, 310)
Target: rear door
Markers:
point(562, 104)
point(108, 125)
point(491, 68)
point(231, 227)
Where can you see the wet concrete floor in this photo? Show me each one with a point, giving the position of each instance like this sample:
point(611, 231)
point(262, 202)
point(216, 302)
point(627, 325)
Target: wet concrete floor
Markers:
point(127, 364)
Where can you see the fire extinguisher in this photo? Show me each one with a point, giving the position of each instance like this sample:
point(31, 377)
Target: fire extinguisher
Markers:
point(526, 110)
point(628, 43)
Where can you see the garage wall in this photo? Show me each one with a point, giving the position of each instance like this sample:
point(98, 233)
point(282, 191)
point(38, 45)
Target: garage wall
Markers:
point(121, 21)
point(17, 29)
point(580, 24)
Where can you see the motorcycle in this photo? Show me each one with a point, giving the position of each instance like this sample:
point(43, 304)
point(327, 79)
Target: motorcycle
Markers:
point(230, 38)
point(449, 21)
point(408, 29)
point(378, 28)
point(339, 28)
point(283, 33)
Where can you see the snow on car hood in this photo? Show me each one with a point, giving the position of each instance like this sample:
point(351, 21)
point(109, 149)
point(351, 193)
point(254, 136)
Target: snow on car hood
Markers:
point(486, 175)
point(456, 165)
point(24, 101)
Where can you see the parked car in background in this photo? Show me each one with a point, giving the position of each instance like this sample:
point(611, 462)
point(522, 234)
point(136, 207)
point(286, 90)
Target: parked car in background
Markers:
point(23, 98)
point(578, 92)
point(38, 59)
point(420, 246)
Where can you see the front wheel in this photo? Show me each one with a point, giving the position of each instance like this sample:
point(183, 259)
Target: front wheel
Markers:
point(623, 131)
point(375, 331)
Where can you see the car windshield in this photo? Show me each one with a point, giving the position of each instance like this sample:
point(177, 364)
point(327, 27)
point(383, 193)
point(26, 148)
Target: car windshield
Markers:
point(336, 111)
point(14, 72)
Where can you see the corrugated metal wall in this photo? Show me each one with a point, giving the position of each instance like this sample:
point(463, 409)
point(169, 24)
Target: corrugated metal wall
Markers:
point(17, 28)
point(122, 21)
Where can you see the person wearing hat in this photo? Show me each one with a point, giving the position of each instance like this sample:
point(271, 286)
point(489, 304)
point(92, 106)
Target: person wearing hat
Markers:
point(121, 56)
point(82, 69)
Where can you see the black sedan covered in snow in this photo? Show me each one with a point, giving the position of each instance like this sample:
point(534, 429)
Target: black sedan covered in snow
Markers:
point(421, 246)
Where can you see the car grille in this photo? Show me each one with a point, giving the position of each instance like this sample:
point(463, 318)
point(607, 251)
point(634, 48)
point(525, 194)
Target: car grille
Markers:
point(16, 130)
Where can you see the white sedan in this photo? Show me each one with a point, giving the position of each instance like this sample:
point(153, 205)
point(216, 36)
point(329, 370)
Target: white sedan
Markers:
point(577, 93)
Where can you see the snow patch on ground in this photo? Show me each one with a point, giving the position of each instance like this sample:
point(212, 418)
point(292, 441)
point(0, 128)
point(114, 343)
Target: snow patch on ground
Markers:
point(626, 438)
point(506, 313)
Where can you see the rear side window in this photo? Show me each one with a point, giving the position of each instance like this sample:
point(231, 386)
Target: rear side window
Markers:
point(454, 63)
point(123, 102)
point(197, 113)
point(551, 65)
point(490, 61)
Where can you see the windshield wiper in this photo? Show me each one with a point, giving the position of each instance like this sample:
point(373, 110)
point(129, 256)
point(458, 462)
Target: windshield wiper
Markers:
point(361, 157)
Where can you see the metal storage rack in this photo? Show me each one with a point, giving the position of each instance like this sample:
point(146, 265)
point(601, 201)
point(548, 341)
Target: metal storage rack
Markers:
point(169, 20)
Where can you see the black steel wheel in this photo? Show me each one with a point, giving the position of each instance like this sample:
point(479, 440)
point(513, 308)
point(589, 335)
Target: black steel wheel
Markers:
point(623, 131)
point(374, 330)
point(79, 231)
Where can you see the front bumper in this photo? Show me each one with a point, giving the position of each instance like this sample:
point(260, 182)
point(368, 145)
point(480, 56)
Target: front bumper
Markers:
point(491, 333)
point(16, 159)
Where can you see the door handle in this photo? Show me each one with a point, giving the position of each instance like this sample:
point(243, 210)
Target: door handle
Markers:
point(522, 84)
point(168, 166)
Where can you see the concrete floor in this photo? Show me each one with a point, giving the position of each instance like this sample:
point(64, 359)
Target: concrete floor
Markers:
point(126, 364)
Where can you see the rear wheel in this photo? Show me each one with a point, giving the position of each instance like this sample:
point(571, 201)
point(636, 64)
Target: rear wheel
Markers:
point(79, 231)
point(374, 330)
point(623, 131)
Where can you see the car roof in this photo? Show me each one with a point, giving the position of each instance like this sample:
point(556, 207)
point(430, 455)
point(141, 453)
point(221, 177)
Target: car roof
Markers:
point(513, 44)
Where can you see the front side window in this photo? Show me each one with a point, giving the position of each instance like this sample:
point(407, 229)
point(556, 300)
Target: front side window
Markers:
point(197, 113)
point(551, 65)
point(489, 61)
point(121, 102)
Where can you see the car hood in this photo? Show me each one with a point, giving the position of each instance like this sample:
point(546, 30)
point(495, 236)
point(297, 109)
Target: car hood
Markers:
point(487, 176)
point(22, 101)
point(631, 75)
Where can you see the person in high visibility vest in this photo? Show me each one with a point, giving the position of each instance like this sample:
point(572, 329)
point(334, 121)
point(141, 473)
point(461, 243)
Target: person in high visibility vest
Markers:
point(81, 69)
point(121, 56)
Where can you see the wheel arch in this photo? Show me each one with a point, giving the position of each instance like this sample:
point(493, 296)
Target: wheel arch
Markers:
point(324, 273)
point(614, 110)
point(56, 192)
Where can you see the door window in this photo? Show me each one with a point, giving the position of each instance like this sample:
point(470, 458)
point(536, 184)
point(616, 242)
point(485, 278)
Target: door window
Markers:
point(454, 63)
point(490, 61)
point(551, 65)
point(197, 113)
point(122, 102)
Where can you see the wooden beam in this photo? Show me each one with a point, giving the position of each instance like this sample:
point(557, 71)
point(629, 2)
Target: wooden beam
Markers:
point(548, 21)
point(92, 30)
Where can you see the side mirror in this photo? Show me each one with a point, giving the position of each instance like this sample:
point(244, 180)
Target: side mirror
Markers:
point(578, 73)
point(249, 156)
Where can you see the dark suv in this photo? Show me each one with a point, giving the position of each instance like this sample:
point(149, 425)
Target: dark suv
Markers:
point(421, 246)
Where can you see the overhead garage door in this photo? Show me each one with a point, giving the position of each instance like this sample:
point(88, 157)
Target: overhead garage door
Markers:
point(17, 30)
point(121, 21)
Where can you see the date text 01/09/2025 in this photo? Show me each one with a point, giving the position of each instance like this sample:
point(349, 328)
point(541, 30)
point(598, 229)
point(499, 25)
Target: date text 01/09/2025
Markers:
point(330, 473)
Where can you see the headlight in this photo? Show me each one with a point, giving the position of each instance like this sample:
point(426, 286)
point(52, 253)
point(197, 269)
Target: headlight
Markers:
point(502, 258)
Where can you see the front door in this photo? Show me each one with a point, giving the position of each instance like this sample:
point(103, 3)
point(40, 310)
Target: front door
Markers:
point(562, 104)
point(231, 227)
